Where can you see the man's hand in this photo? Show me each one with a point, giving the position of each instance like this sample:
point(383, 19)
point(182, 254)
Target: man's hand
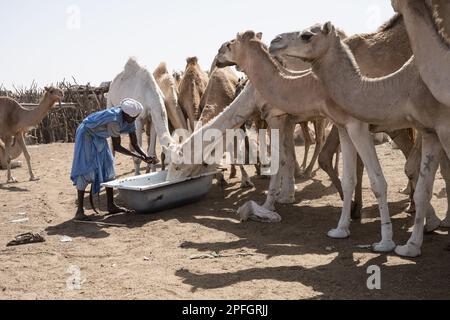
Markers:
point(150, 160)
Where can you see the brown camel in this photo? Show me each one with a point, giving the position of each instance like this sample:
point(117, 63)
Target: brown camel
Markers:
point(220, 92)
point(191, 89)
point(15, 120)
point(168, 86)
point(15, 152)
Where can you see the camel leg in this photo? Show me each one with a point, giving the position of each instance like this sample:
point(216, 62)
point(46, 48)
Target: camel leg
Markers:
point(363, 142)
point(431, 151)
point(288, 160)
point(20, 140)
point(15, 152)
point(246, 181)
point(445, 171)
point(412, 169)
point(319, 126)
point(139, 134)
point(348, 185)
point(152, 146)
point(331, 147)
point(308, 143)
point(326, 159)
point(10, 178)
point(411, 151)
point(358, 202)
point(233, 172)
point(297, 169)
point(276, 181)
point(337, 159)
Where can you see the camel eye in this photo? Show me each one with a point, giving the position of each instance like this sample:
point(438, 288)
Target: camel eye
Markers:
point(306, 37)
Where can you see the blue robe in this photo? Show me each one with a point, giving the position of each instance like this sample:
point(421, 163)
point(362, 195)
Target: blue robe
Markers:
point(93, 161)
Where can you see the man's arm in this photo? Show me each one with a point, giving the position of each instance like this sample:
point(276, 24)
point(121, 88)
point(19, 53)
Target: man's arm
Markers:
point(136, 146)
point(117, 145)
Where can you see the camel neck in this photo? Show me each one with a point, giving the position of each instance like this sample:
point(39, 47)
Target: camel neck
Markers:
point(369, 100)
point(271, 81)
point(30, 118)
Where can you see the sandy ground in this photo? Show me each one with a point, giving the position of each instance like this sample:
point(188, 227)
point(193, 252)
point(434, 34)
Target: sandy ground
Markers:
point(149, 257)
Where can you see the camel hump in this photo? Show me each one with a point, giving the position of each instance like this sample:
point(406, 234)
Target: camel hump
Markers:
point(192, 60)
point(161, 70)
point(132, 65)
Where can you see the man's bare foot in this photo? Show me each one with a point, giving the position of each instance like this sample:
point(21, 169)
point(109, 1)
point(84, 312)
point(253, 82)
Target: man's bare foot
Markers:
point(116, 210)
point(81, 216)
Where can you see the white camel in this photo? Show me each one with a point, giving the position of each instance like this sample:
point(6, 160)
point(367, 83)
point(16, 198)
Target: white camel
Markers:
point(138, 83)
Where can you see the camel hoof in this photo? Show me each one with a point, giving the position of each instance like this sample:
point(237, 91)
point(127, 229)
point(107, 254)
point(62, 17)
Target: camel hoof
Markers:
point(34, 179)
point(339, 233)
point(408, 251)
point(432, 224)
point(384, 246)
point(446, 223)
point(232, 176)
point(247, 184)
point(12, 180)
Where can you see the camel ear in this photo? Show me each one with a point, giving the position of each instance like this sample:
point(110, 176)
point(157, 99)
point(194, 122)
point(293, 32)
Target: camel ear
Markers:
point(328, 28)
point(259, 35)
point(47, 89)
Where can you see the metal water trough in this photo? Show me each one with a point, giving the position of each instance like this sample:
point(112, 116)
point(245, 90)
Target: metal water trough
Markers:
point(151, 193)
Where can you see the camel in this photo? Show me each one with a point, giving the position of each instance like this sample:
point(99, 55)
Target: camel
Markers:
point(305, 95)
point(167, 84)
point(219, 93)
point(16, 120)
point(399, 100)
point(138, 83)
point(15, 152)
point(377, 54)
point(320, 124)
point(428, 26)
point(191, 89)
point(244, 107)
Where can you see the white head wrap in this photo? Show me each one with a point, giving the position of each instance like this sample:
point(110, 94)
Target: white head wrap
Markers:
point(131, 107)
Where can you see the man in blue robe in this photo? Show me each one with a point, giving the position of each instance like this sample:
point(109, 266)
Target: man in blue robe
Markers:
point(93, 161)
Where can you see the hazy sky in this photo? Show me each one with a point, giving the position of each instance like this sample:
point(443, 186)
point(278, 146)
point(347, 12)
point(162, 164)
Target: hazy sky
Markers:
point(49, 40)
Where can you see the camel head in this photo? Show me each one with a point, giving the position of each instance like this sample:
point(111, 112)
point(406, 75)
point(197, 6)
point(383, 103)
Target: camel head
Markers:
point(280, 45)
point(191, 61)
point(53, 95)
point(308, 45)
point(229, 51)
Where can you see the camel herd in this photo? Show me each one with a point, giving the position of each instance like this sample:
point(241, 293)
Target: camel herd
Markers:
point(394, 81)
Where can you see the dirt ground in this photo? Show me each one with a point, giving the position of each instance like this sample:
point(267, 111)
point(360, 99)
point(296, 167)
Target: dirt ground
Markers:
point(149, 256)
